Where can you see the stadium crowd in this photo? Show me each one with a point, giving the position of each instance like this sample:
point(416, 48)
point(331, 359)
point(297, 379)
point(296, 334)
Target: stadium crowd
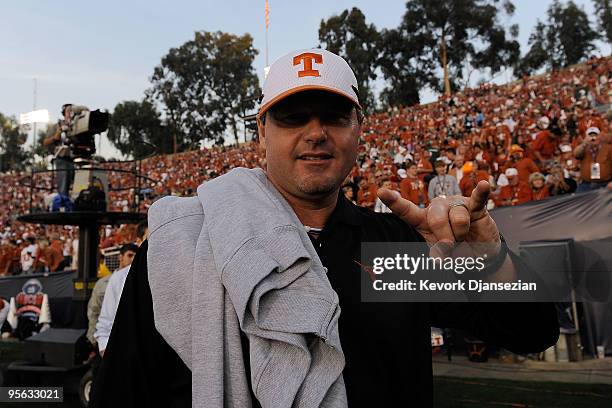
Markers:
point(531, 139)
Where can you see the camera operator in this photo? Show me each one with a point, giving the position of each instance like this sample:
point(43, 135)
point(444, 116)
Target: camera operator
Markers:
point(58, 137)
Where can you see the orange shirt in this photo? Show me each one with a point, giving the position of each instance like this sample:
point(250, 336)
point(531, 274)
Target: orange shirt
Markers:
point(469, 181)
point(603, 157)
point(366, 197)
point(413, 189)
point(545, 144)
point(51, 257)
point(5, 258)
point(424, 168)
point(524, 166)
point(513, 195)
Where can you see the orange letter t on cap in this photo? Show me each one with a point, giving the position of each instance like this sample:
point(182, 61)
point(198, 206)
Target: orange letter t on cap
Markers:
point(307, 58)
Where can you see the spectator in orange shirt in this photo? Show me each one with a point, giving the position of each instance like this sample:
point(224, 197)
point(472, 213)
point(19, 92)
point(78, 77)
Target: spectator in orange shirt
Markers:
point(48, 259)
point(424, 166)
point(5, 257)
point(537, 185)
point(595, 156)
point(515, 192)
point(545, 143)
point(524, 165)
point(366, 196)
point(471, 176)
point(412, 188)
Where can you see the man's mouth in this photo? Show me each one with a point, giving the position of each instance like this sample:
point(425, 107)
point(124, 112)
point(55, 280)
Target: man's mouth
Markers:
point(315, 156)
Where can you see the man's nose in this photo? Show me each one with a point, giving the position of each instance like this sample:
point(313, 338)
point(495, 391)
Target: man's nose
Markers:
point(315, 132)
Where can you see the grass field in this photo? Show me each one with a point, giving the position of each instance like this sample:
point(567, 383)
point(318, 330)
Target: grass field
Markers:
point(452, 392)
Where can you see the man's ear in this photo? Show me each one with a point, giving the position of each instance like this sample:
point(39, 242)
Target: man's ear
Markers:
point(261, 131)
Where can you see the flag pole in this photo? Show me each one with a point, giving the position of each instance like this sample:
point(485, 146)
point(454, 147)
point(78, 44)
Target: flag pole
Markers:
point(267, 25)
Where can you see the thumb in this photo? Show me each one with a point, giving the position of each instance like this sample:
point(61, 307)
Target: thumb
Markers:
point(409, 212)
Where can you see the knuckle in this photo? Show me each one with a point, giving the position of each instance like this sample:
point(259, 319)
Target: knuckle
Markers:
point(437, 222)
point(460, 218)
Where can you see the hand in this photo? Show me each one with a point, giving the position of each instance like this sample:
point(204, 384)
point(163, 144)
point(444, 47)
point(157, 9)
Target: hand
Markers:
point(445, 222)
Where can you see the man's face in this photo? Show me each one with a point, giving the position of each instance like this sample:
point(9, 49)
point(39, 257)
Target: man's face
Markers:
point(593, 137)
point(311, 141)
point(126, 258)
point(412, 171)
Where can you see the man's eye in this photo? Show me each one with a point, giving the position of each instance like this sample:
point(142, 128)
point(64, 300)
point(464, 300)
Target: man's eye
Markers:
point(336, 118)
point(297, 118)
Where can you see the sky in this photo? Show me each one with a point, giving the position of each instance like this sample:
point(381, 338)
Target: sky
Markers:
point(101, 53)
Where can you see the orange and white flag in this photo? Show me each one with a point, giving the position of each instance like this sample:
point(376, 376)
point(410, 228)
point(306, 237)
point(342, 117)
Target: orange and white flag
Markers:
point(267, 14)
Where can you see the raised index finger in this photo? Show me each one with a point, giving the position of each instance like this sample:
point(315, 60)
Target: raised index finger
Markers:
point(480, 195)
point(409, 212)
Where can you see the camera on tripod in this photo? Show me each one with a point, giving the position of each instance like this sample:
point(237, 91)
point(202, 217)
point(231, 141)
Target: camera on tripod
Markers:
point(80, 125)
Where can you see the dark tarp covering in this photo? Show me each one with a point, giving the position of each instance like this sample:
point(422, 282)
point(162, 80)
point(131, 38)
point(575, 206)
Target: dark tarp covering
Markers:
point(584, 218)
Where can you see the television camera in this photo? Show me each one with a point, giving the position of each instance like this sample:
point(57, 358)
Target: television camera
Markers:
point(76, 130)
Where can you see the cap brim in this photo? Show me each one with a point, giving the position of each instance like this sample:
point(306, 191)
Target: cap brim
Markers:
point(264, 108)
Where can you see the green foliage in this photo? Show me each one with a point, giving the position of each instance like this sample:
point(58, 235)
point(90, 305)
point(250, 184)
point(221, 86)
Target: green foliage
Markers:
point(565, 39)
point(349, 36)
point(135, 124)
point(13, 156)
point(405, 67)
point(603, 10)
point(204, 85)
point(453, 36)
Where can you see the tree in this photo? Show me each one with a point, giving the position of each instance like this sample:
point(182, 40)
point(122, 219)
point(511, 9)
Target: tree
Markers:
point(133, 124)
point(603, 10)
point(204, 85)
point(459, 35)
point(349, 36)
point(13, 156)
point(565, 39)
point(404, 66)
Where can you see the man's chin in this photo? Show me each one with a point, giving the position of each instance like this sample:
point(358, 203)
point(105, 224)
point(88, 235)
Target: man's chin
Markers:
point(318, 185)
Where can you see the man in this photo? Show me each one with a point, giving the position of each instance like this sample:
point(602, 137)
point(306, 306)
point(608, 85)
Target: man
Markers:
point(94, 306)
point(47, 257)
point(379, 206)
point(545, 143)
point(456, 169)
point(413, 189)
point(515, 192)
point(27, 255)
point(5, 257)
point(443, 185)
point(424, 167)
point(523, 164)
point(595, 157)
point(472, 175)
point(112, 294)
point(309, 125)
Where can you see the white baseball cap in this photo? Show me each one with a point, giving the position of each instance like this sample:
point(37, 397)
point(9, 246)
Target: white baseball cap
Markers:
point(511, 172)
point(303, 70)
point(593, 130)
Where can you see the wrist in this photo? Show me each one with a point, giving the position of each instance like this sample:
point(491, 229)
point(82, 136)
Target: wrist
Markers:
point(493, 263)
